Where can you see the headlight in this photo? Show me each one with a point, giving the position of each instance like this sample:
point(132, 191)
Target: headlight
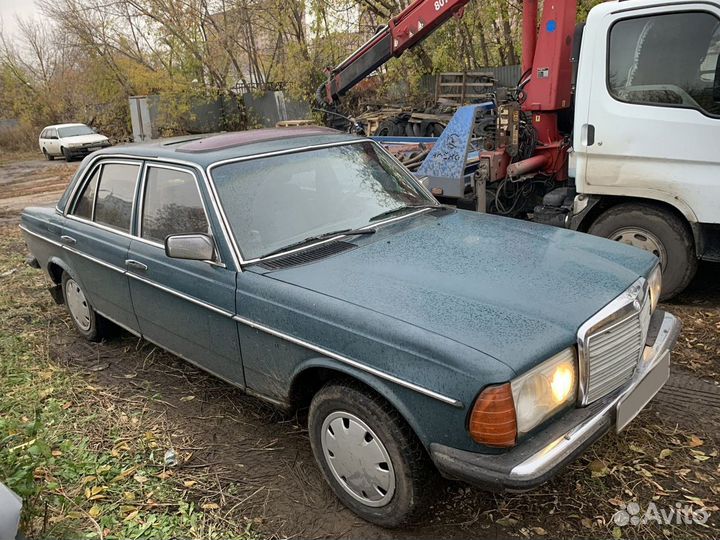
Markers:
point(503, 412)
point(655, 286)
point(544, 390)
point(73, 145)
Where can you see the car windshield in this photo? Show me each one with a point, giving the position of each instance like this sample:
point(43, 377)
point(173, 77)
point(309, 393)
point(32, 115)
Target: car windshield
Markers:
point(278, 201)
point(75, 131)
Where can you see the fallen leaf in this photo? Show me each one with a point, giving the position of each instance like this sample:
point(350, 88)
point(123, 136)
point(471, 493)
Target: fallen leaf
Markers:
point(637, 449)
point(187, 398)
point(539, 531)
point(56, 453)
point(131, 515)
point(165, 475)
point(189, 483)
point(695, 500)
point(95, 511)
point(214, 506)
point(695, 441)
point(140, 479)
point(665, 452)
point(598, 469)
point(617, 533)
point(587, 523)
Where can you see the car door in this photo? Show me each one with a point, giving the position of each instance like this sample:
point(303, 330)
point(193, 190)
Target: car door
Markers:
point(53, 142)
point(184, 306)
point(97, 237)
point(653, 104)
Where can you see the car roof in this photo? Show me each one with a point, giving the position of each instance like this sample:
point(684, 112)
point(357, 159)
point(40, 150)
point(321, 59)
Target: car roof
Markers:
point(207, 149)
point(63, 125)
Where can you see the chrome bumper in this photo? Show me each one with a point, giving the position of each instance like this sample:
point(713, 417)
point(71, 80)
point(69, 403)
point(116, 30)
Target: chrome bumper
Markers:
point(540, 457)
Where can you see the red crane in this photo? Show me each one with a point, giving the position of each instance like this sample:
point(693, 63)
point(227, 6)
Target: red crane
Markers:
point(544, 90)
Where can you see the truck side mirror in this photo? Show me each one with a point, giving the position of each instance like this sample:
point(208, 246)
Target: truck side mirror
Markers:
point(194, 247)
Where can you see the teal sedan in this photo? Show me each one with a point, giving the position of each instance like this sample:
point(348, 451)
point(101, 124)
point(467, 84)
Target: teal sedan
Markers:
point(311, 269)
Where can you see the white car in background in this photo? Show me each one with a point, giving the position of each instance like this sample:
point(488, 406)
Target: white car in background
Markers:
point(70, 141)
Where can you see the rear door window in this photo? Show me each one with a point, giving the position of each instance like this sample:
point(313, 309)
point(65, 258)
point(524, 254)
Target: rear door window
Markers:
point(171, 205)
point(115, 195)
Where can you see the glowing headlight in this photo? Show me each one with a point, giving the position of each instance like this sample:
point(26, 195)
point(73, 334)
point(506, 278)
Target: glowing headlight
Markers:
point(655, 285)
point(544, 390)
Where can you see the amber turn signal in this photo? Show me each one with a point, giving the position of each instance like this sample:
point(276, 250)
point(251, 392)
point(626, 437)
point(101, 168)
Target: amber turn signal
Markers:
point(492, 421)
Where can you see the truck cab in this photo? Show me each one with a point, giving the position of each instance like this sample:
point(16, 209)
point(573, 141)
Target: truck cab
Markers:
point(647, 113)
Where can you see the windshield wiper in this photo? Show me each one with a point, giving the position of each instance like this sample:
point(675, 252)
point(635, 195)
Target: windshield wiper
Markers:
point(323, 236)
point(401, 208)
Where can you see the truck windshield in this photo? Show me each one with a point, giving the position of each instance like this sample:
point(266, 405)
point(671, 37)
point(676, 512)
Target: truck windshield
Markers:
point(278, 201)
point(74, 131)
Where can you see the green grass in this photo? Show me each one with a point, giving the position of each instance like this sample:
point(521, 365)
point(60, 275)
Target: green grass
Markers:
point(87, 464)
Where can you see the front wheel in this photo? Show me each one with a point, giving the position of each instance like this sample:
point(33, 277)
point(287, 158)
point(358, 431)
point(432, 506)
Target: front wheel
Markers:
point(66, 154)
point(48, 156)
point(655, 230)
point(368, 454)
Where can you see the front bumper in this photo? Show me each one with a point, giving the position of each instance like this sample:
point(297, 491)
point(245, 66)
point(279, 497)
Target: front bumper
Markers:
point(544, 454)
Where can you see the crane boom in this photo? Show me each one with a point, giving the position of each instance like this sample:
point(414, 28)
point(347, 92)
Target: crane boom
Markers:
point(415, 23)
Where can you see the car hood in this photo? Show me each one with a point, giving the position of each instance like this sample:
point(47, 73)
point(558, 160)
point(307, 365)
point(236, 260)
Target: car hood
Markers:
point(85, 139)
point(513, 290)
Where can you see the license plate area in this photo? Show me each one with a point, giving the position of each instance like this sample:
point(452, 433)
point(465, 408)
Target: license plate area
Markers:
point(630, 405)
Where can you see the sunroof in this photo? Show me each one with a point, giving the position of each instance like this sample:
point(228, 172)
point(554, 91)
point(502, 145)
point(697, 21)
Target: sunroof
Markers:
point(240, 138)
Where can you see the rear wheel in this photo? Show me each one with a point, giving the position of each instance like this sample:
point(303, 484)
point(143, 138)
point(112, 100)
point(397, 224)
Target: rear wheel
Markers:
point(369, 455)
point(655, 230)
point(88, 323)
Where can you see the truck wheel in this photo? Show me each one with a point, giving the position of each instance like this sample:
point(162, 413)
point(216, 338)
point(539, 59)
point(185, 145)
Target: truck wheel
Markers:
point(48, 156)
point(370, 457)
point(658, 231)
point(88, 323)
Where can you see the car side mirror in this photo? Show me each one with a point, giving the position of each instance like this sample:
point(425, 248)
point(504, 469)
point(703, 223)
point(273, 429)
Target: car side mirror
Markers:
point(194, 247)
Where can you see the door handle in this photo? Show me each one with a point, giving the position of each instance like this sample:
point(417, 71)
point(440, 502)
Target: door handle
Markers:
point(68, 239)
point(587, 134)
point(135, 265)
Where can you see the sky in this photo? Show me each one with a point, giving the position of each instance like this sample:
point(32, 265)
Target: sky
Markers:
point(10, 8)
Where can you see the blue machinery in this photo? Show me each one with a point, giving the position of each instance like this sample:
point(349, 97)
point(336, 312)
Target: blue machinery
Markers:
point(448, 166)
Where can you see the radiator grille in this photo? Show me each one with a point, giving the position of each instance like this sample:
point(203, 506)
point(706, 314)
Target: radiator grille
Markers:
point(613, 353)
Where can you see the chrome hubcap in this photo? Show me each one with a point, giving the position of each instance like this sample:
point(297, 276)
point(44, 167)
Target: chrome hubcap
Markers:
point(77, 304)
point(643, 239)
point(358, 459)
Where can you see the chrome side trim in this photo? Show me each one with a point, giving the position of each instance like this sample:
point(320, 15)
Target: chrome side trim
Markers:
point(381, 374)
point(619, 308)
point(95, 259)
point(184, 296)
point(36, 235)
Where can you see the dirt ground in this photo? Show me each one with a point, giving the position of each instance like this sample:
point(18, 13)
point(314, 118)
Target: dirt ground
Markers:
point(256, 464)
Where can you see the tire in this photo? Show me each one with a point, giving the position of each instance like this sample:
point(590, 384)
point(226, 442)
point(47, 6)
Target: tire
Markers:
point(66, 154)
point(48, 156)
point(388, 128)
point(656, 230)
point(88, 323)
point(409, 478)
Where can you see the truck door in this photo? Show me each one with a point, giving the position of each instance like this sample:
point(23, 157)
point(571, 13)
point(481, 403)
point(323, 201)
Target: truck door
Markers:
point(648, 105)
